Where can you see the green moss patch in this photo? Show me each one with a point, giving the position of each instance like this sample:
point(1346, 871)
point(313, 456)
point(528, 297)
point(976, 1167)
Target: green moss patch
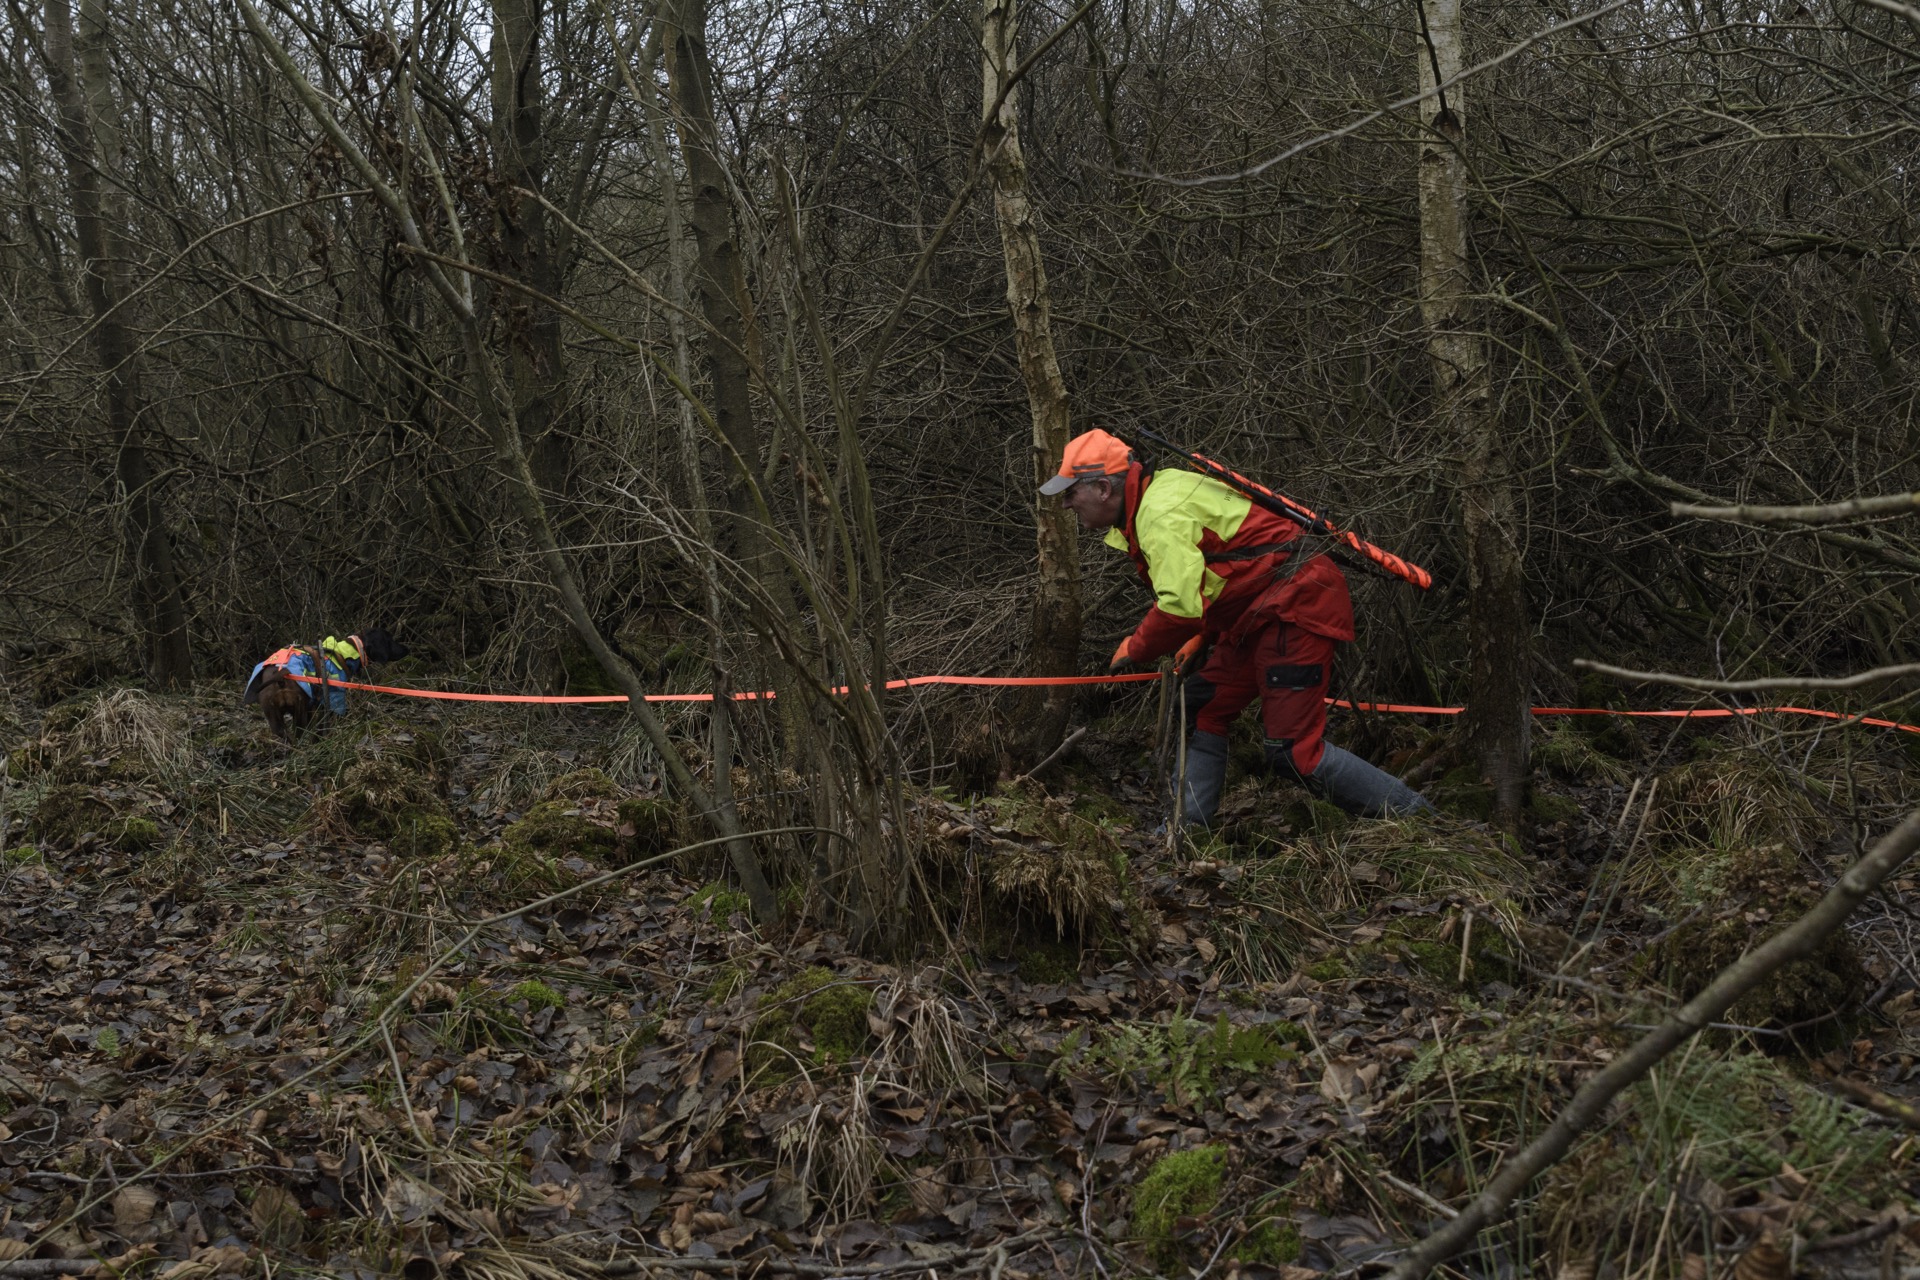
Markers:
point(1271, 1244)
point(1049, 961)
point(68, 813)
point(384, 799)
point(1185, 1059)
point(718, 902)
point(1182, 1185)
point(1412, 947)
point(1547, 808)
point(1464, 793)
point(537, 995)
point(815, 1006)
point(582, 784)
point(134, 835)
point(559, 829)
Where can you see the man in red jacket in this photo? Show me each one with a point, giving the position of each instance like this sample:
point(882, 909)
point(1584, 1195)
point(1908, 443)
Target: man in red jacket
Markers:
point(1227, 578)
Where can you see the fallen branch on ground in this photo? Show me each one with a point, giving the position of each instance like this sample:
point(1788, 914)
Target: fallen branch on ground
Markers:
point(1796, 941)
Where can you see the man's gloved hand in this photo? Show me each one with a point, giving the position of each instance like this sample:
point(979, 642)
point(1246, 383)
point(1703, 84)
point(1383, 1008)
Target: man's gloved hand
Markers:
point(1122, 661)
point(1189, 654)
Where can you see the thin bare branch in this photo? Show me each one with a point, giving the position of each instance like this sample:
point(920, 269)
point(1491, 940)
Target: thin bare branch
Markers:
point(1855, 681)
point(1890, 504)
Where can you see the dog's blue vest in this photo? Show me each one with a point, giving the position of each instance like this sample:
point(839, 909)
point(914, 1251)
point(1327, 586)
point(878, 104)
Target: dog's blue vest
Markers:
point(299, 662)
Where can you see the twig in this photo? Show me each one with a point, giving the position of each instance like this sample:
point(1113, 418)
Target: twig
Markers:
point(1847, 1240)
point(1794, 942)
point(1055, 754)
point(1361, 122)
point(1880, 1103)
point(1854, 681)
point(1885, 505)
point(1440, 1207)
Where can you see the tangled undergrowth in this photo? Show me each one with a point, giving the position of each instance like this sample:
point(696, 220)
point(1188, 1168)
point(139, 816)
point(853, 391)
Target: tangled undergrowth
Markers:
point(276, 1009)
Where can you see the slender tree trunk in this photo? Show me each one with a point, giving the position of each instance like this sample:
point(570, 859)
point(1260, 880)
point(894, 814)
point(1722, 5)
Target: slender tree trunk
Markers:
point(1498, 718)
point(1055, 644)
point(679, 293)
point(534, 357)
point(79, 75)
point(719, 284)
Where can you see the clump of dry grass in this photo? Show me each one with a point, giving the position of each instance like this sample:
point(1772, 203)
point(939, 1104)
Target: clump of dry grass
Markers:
point(1716, 826)
point(1734, 799)
point(930, 1042)
point(1289, 888)
point(1070, 885)
point(129, 724)
point(1564, 751)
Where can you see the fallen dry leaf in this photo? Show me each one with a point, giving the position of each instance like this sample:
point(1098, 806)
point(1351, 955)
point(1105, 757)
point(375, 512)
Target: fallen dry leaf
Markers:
point(133, 1207)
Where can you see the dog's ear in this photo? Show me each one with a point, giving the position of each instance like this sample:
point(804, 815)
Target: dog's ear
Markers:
point(382, 647)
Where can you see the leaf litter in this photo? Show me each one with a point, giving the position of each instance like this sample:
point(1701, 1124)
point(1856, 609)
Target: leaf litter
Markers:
point(295, 1033)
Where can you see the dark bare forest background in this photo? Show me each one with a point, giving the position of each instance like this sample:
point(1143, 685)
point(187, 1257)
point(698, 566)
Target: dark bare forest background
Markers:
point(1689, 236)
point(593, 346)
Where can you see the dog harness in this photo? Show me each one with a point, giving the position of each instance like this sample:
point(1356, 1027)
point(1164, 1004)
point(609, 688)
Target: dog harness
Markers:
point(345, 659)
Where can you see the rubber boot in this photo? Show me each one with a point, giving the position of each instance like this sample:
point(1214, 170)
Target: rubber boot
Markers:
point(1363, 790)
point(1206, 775)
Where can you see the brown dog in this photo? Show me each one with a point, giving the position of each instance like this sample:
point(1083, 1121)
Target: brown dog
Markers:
point(283, 699)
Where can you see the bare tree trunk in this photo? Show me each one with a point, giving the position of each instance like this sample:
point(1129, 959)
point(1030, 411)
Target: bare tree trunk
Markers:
point(1498, 718)
point(534, 356)
point(679, 294)
point(78, 73)
point(719, 283)
point(1055, 645)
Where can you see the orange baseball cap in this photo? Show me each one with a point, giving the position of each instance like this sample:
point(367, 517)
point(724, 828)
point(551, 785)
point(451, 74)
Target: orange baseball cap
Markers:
point(1088, 456)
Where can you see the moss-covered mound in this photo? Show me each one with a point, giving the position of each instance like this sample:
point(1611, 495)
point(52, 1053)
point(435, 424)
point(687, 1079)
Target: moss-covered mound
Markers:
point(422, 751)
point(558, 829)
point(1811, 999)
point(383, 799)
point(1182, 1185)
point(1438, 950)
point(1441, 864)
point(649, 826)
point(816, 1016)
point(70, 814)
point(582, 784)
point(1049, 865)
point(65, 674)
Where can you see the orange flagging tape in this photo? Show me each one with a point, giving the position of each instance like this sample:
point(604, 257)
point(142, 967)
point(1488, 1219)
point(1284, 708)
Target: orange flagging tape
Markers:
point(915, 682)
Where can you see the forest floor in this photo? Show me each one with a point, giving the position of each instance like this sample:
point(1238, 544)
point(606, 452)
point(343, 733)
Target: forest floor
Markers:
point(289, 1011)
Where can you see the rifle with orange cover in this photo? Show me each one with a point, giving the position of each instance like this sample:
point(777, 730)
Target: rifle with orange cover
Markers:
point(1279, 504)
